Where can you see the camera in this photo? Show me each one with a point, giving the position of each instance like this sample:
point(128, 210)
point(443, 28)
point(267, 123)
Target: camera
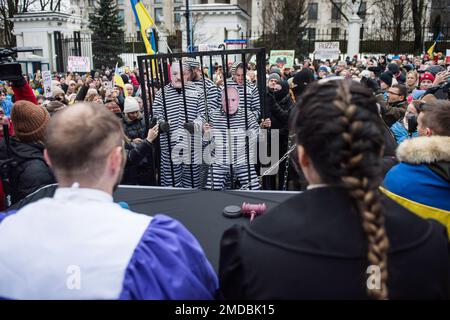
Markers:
point(9, 69)
point(412, 124)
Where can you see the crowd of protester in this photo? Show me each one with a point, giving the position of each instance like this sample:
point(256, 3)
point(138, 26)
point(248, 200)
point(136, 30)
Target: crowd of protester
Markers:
point(371, 133)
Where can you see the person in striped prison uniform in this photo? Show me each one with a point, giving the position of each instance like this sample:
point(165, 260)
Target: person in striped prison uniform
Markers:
point(237, 80)
point(211, 94)
point(227, 144)
point(180, 143)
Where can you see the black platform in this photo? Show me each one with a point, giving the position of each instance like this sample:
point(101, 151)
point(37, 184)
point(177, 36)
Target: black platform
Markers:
point(200, 211)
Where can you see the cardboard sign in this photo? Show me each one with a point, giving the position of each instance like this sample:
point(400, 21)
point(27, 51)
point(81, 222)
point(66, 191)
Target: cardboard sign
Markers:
point(282, 58)
point(78, 64)
point(47, 77)
point(327, 50)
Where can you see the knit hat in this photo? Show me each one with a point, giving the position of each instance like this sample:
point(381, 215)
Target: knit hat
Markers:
point(434, 70)
point(274, 76)
point(394, 68)
point(54, 106)
point(386, 77)
point(56, 91)
point(323, 68)
point(29, 121)
point(131, 105)
point(427, 76)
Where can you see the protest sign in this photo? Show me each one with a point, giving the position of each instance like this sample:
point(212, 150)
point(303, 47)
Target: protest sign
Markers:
point(47, 77)
point(78, 64)
point(327, 50)
point(282, 58)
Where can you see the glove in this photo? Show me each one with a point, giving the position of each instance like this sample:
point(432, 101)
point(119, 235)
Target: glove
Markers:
point(164, 126)
point(190, 127)
point(19, 82)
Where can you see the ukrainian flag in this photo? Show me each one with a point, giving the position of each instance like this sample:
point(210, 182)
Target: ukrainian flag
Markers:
point(431, 50)
point(144, 21)
point(118, 81)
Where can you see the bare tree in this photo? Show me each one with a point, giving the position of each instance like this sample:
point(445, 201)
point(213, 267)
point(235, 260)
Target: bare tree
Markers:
point(418, 8)
point(198, 30)
point(9, 8)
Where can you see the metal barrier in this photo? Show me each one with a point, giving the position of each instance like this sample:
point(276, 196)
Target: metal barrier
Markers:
point(155, 84)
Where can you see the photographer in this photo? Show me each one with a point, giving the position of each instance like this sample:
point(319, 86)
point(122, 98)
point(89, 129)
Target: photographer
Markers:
point(28, 170)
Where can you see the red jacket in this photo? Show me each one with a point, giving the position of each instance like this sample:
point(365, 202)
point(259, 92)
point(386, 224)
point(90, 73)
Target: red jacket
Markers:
point(24, 93)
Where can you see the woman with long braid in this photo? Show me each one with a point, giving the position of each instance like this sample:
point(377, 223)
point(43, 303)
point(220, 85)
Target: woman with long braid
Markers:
point(341, 239)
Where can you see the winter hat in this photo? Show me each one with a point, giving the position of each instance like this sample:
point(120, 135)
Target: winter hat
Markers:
point(56, 91)
point(323, 68)
point(274, 76)
point(434, 70)
point(54, 106)
point(56, 83)
point(29, 121)
point(386, 77)
point(427, 76)
point(131, 105)
point(365, 74)
point(394, 68)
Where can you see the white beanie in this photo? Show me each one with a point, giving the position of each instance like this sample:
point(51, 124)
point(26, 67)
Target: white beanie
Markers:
point(131, 105)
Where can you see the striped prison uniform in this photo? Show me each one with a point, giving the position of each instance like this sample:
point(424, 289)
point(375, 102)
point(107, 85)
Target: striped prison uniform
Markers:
point(212, 101)
point(186, 149)
point(218, 146)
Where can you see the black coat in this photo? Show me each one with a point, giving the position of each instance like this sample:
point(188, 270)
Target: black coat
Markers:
point(31, 171)
point(278, 107)
point(134, 129)
point(139, 168)
point(313, 247)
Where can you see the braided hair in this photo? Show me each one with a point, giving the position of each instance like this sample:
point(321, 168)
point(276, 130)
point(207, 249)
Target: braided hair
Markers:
point(337, 124)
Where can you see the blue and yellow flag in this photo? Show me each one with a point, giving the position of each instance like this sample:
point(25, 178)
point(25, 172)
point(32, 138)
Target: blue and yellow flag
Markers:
point(431, 50)
point(118, 81)
point(144, 22)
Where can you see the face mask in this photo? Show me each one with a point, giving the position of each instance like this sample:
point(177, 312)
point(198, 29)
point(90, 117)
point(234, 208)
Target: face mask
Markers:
point(233, 101)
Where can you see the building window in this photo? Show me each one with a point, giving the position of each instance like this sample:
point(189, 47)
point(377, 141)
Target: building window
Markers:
point(336, 11)
point(335, 33)
point(177, 17)
point(313, 11)
point(158, 15)
point(178, 1)
point(362, 10)
point(311, 33)
point(91, 3)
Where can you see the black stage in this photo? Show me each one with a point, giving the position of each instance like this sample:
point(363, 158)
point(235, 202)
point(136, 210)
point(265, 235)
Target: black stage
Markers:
point(200, 211)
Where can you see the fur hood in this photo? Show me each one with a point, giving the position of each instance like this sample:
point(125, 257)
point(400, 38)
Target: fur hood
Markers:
point(425, 150)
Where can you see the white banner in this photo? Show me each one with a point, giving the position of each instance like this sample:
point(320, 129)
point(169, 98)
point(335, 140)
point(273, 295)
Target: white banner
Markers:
point(327, 50)
point(78, 64)
point(47, 77)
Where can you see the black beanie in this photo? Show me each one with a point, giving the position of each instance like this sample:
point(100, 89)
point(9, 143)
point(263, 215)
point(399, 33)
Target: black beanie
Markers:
point(387, 78)
point(394, 68)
